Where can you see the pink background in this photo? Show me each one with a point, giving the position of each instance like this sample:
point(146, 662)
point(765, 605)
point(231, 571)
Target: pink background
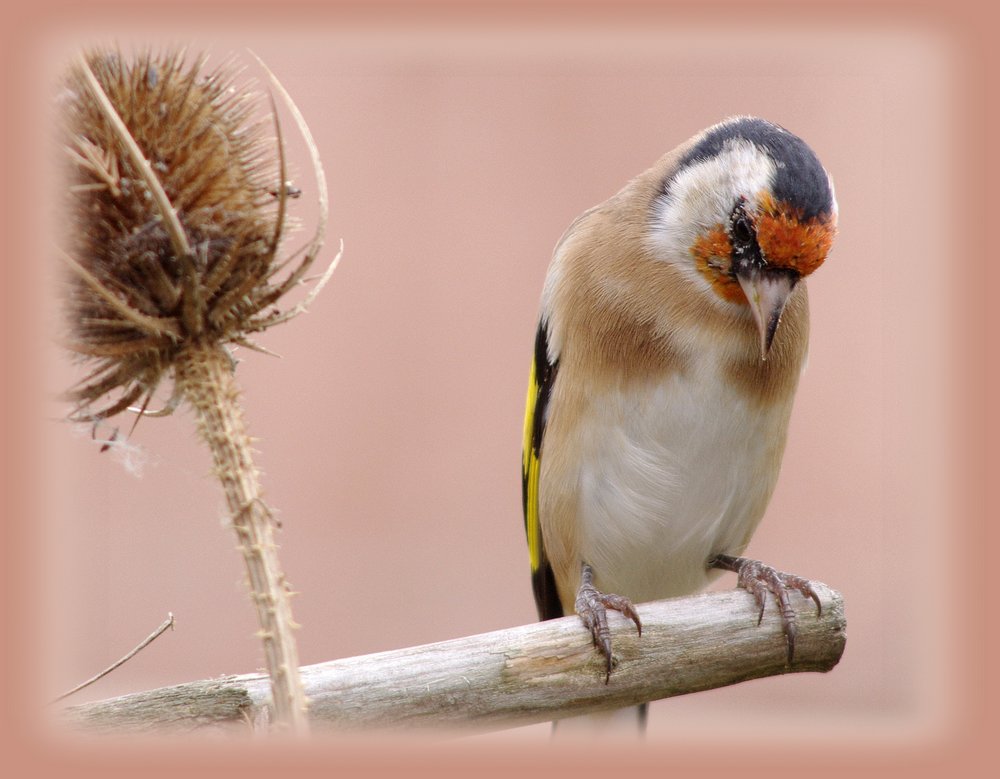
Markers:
point(389, 431)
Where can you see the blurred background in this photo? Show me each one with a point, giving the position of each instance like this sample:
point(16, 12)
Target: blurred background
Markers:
point(389, 430)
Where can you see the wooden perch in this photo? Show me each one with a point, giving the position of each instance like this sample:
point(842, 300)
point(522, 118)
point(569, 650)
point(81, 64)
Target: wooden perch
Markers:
point(523, 675)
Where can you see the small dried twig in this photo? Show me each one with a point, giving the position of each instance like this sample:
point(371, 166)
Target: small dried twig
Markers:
point(168, 623)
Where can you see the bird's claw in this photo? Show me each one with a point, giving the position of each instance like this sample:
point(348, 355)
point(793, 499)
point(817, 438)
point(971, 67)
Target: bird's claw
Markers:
point(759, 579)
point(592, 607)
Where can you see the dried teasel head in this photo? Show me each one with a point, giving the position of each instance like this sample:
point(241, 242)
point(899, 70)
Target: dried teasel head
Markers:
point(177, 207)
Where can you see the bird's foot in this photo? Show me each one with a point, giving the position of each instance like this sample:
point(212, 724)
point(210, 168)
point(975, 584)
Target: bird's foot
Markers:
point(592, 606)
point(759, 579)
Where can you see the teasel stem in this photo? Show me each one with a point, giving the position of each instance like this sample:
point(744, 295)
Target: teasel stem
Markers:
point(204, 376)
point(178, 209)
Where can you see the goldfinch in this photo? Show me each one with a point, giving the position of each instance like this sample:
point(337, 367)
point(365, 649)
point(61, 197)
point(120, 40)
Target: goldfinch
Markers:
point(673, 329)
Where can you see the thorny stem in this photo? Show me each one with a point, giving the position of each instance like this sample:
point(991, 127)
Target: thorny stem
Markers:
point(204, 376)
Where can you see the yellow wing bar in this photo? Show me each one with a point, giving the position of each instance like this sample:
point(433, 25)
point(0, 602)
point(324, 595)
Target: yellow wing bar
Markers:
point(529, 472)
point(540, 381)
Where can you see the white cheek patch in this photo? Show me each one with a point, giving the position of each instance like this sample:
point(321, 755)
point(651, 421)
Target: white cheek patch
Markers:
point(701, 197)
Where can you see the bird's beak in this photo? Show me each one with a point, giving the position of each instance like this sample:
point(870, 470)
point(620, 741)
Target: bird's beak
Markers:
point(767, 293)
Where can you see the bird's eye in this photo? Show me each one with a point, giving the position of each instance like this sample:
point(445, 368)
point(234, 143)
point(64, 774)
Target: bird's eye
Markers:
point(742, 229)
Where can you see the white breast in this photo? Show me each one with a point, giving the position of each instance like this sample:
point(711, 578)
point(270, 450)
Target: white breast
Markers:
point(670, 474)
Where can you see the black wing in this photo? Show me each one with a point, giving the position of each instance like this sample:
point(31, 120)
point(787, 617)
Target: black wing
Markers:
point(543, 374)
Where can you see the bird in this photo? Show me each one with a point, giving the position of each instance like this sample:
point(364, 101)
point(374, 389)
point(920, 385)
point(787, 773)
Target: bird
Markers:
point(672, 332)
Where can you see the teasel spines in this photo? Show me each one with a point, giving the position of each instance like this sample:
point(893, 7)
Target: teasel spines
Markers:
point(177, 211)
point(177, 207)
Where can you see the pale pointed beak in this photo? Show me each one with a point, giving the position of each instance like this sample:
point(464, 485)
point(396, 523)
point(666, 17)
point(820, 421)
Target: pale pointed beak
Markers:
point(767, 293)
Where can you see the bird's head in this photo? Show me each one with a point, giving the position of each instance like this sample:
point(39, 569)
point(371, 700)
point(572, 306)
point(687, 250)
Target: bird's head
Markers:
point(747, 211)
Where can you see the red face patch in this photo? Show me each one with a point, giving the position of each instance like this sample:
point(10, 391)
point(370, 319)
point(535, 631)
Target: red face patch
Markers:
point(713, 254)
point(785, 240)
point(790, 242)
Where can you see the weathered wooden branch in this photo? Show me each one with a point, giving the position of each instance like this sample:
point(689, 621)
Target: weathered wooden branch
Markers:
point(518, 676)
